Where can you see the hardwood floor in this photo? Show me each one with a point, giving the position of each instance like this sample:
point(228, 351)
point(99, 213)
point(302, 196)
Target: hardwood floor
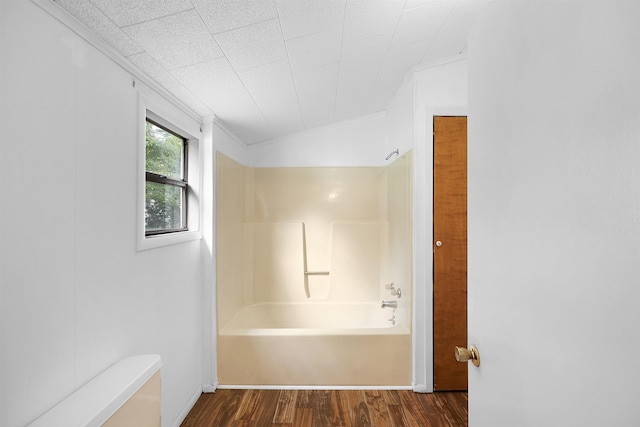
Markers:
point(328, 408)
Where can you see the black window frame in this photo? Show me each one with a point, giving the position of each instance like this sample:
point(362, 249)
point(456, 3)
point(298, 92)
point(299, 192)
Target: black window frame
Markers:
point(183, 183)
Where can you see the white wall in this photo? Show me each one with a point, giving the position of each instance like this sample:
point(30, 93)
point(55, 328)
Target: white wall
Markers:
point(359, 142)
point(75, 295)
point(554, 214)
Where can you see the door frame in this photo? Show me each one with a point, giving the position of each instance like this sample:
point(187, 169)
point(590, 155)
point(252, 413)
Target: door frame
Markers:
point(422, 310)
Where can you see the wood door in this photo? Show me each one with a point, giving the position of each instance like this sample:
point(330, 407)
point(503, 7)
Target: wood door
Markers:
point(449, 251)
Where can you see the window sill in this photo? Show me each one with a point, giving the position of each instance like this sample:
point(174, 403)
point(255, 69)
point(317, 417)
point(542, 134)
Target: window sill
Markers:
point(161, 240)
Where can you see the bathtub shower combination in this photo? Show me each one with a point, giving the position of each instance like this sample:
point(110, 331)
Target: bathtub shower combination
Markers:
point(314, 275)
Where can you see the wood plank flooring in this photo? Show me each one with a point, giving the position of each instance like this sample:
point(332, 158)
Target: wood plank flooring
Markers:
point(328, 408)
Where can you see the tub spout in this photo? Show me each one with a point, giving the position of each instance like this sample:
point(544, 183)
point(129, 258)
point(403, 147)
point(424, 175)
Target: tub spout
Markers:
point(392, 304)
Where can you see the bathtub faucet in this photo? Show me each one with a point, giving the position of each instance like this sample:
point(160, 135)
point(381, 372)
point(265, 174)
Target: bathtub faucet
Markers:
point(395, 292)
point(392, 304)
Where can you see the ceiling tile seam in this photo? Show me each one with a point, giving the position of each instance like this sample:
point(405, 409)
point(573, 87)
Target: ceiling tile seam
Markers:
point(108, 18)
point(386, 52)
point(249, 93)
point(295, 86)
point(239, 27)
point(253, 66)
point(161, 17)
point(335, 101)
point(182, 85)
point(444, 21)
point(209, 31)
point(422, 5)
point(303, 35)
point(171, 70)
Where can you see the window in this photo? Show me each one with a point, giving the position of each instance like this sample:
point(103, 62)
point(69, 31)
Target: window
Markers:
point(166, 187)
point(169, 200)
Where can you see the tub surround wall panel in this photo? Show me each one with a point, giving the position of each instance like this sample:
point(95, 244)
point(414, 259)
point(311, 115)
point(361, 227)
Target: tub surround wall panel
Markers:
point(271, 219)
point(355, 261)
point(315, 194)
point(399, 257)
point(75, 295)
point(277, 265)
point(232, 248)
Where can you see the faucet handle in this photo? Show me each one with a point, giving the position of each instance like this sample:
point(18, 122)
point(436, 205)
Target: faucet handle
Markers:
point(388, 286)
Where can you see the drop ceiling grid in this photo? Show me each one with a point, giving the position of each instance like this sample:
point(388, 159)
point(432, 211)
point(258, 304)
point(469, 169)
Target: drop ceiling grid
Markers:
point(268, 67)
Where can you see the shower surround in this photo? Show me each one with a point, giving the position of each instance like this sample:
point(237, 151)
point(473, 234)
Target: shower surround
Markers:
point(313, 246)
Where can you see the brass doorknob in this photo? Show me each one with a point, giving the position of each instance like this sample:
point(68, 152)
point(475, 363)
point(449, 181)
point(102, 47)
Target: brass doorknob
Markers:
point(463, 355)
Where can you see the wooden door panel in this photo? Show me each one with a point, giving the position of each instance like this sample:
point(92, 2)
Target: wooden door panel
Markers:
point(449, 259)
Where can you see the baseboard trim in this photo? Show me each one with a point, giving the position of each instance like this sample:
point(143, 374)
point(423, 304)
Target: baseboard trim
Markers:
point(188, 407)
point(310, 387)
point(209, 388)
point(421, 388)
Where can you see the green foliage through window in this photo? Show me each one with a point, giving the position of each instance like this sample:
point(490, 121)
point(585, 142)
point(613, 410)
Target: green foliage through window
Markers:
point(165, 195)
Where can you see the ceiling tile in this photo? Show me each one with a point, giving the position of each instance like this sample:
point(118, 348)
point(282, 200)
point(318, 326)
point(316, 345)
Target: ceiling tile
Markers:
point(213, 81)
point(316, 90)
point(128, 12)
point(217, 85)
point(314, 50)
point(253, 45)
point(304, 17)
point(153, 69)
point(353, 92)
point(321, 79)
point(271, 87)
point(97, 21)
point(317, 107)
point(269, 81)
point(184, 95)
point(224, 15)
point(397, 64)
point(402, 58)
point(369, 52)
point(412, 4)
point(271, 67)
point(176, 41)
point(370, 18)
point(452, 38)
point(467, 6)
point(421, 23)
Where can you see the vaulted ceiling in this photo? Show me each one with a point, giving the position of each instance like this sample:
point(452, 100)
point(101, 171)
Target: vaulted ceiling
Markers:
point(268, 68)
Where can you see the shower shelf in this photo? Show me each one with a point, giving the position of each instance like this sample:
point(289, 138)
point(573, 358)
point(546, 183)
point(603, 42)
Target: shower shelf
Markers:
point(316, 273)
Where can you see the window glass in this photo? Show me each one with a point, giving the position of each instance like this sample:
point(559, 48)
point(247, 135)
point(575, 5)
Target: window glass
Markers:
point(163, 207)
point(166, 184)
point(165, 152)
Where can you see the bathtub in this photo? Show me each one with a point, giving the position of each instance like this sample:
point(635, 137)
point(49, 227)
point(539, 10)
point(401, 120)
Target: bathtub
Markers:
point(315, 344)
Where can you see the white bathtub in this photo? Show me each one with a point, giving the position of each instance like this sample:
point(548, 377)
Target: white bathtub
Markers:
point(312, 318)
point(314, 344)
